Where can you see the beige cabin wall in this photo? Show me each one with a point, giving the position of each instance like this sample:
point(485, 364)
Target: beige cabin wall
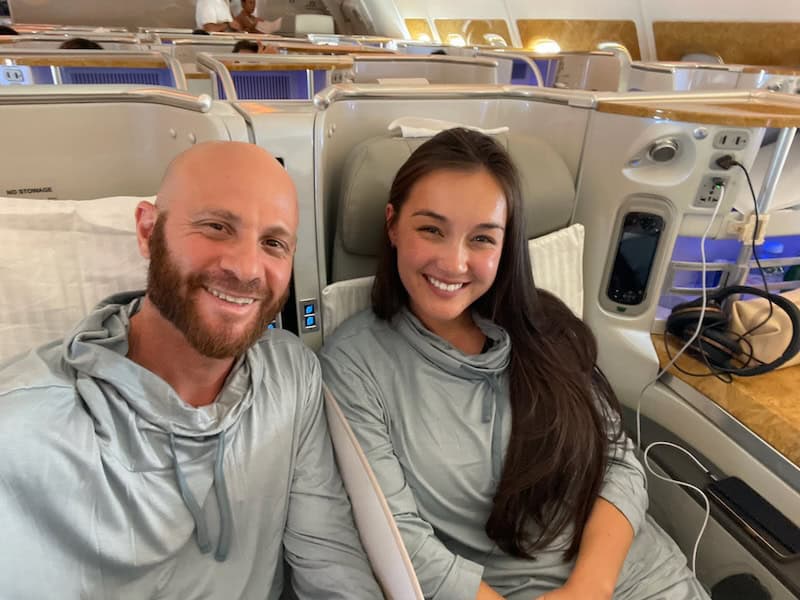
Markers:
point(580, 24)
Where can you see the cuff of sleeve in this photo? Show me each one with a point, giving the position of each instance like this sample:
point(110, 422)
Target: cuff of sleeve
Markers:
point(628, 501)
point(462, 582)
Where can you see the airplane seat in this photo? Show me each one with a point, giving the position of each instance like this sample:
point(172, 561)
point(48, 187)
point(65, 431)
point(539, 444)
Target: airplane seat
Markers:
point(67, 221)
point(271, 77)
point(549, 70)
point(368, 171)
point(432, 69)
point(304, 24)
point(547, 184)
point(97, 67)
point(549, 194)
point(272, 85)
point(523, 74)
point(118, 76)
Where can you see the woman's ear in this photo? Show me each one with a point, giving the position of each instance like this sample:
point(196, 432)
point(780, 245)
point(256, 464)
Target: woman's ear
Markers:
point(391, 228)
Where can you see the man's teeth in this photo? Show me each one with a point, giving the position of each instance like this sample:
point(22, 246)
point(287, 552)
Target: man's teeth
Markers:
point(233, 299)
point(451, 287)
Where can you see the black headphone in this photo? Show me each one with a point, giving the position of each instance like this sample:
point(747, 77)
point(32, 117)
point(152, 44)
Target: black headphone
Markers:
point(718, 346)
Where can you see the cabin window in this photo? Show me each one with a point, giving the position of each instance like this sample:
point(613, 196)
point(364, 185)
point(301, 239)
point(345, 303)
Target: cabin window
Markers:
point(419, 30)
point(474, 32)
point(577, 35)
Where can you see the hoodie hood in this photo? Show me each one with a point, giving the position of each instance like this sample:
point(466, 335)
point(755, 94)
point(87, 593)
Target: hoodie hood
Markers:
point(97, 349)
point(488, 367)
point(489, 364)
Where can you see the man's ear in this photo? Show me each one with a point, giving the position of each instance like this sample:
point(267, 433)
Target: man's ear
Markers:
point(391, 230)
point(146, 216)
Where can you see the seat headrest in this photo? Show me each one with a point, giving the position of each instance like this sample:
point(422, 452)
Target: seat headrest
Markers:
point(548, 189)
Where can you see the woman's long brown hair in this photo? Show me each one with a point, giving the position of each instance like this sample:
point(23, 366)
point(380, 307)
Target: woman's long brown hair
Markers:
point(561, 404)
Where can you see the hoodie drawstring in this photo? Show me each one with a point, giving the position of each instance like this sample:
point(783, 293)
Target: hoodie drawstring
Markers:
point(489, 401)
point(224, 503)
point(225, 513)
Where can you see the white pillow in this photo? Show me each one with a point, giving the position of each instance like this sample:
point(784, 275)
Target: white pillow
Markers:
point(557, 260)
point(60, 258)
point(342, 300)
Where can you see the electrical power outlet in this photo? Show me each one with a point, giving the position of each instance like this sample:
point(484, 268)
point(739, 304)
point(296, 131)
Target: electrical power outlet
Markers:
point(731, 139)
point(710, 191)
point(716, 156)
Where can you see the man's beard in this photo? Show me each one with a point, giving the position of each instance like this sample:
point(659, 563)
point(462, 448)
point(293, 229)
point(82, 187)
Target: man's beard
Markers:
point(174, 297)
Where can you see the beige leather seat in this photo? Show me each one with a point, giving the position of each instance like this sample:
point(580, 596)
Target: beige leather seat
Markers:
point(376, 526)
point(547, 184)
point(549, 195)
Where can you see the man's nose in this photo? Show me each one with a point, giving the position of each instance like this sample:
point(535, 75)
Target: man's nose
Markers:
point(243, 259)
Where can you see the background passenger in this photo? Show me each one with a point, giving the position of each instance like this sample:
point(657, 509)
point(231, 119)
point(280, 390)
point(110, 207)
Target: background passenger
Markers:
point(168, 447)
point(246, 47)
point(215, 15)
point(251, 23)
point(79, 43)
point(477, 399)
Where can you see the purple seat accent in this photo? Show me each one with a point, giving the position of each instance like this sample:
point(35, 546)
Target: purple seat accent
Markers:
point(549, 69)
point(522, 74)
point(42, 75)
point(271, 85)
point(320, 81)
point(113, 75)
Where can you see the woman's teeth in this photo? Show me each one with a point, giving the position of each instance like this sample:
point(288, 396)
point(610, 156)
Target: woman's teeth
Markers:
point(445, 287)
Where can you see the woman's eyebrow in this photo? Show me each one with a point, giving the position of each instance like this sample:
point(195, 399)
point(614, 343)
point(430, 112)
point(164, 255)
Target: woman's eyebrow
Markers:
point(490, 226)
point(431, 214)
point(436, 216)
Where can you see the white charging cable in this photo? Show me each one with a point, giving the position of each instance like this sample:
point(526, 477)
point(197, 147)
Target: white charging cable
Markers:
point(697, 331)
point(685, 485)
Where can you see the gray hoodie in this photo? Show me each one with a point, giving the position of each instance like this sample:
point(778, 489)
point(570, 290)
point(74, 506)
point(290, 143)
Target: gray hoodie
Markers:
point(112, 487)
point(434, 424)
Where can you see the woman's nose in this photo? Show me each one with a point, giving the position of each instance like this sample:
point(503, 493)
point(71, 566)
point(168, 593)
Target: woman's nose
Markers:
point(454, 259)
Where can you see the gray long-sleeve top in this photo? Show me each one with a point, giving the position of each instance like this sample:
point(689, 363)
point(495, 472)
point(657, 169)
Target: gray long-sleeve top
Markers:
point(434, 424)
point(102, 463)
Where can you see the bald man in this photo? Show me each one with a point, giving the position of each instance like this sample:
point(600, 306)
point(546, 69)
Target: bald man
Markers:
point(171, 447)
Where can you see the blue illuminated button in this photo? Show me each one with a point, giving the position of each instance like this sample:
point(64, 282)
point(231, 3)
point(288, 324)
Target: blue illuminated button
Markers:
point(272, 325)
point(308, 309)
point(311, 321)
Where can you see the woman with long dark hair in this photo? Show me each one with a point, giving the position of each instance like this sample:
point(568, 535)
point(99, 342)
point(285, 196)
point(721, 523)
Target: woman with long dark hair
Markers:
point(477, 400)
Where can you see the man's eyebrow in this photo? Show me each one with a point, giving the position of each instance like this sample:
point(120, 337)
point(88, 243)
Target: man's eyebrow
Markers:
point(436, 216)
point(219, 213)
point(278, 231)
